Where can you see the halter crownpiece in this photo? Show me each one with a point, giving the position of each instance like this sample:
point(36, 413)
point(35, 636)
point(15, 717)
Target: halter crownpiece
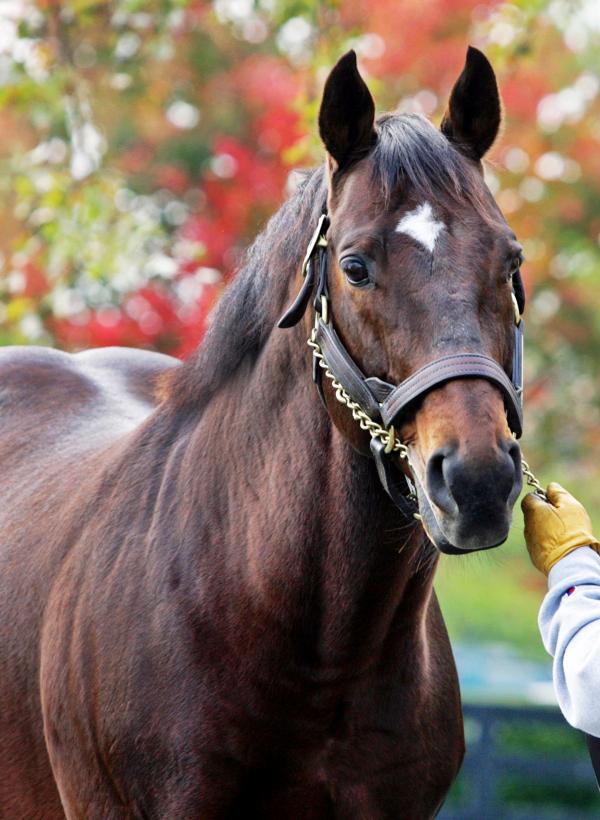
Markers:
point(377, 405)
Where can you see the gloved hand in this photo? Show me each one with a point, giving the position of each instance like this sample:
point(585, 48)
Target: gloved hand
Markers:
point(555, 527)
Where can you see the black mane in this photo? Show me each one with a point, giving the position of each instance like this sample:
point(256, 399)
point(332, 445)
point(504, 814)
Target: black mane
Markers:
point(250, 306)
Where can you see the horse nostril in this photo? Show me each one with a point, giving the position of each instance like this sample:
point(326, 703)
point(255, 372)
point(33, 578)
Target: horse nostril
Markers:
point(457, 484)
point(437, 484)
point(514, 452)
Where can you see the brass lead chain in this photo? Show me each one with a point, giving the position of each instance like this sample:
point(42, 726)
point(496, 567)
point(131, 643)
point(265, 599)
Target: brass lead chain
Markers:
point(387, 437)
point(532, 480)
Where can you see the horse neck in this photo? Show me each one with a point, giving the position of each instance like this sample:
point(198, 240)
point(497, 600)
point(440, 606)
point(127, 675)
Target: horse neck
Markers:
point(298, 521)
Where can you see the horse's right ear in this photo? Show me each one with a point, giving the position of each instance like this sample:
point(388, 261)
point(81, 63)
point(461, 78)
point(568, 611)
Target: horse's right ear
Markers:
point(347, 113)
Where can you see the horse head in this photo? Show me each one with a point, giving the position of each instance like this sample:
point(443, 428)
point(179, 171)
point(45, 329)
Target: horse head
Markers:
point(421, 266)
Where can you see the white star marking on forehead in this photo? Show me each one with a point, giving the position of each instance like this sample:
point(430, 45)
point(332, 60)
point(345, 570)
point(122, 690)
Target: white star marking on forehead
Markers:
point(421, 225)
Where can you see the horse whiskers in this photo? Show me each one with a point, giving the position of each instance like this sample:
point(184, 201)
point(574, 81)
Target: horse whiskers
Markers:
point(427, 556)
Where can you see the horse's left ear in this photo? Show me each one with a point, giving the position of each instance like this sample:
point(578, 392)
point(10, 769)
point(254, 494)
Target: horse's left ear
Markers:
point(472, 120)
point(347, 113)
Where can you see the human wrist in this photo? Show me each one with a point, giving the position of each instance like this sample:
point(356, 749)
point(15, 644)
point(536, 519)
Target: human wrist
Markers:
point(581, 565)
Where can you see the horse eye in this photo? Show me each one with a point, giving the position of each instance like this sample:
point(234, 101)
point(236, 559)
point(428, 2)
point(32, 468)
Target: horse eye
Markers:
point(356, 271)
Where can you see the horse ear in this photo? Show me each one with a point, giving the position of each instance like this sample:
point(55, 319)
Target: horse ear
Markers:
point(472, 120)
point(347, 113)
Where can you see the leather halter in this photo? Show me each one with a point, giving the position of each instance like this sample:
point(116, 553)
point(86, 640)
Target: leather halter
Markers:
point(380, 400)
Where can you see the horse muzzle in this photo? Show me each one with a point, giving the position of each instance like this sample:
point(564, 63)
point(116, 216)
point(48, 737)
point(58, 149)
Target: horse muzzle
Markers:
point(466, 505)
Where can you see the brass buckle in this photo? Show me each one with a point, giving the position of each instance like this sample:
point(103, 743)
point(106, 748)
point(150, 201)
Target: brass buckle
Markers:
point(318, 238)
point(391, 440)
point(516, 311)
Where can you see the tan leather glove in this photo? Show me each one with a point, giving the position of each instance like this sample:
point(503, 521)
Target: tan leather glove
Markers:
point(556, 527)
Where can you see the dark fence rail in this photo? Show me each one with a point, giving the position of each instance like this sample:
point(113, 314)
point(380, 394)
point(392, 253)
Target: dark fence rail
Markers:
point(522, 763)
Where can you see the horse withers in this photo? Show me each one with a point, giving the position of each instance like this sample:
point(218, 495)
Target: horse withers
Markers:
point(209, 605)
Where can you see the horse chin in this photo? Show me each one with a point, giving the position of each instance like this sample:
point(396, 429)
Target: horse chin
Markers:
point(443, 541)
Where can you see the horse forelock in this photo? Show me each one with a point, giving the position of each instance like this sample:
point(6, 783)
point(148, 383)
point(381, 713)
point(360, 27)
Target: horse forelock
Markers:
point(410, 153)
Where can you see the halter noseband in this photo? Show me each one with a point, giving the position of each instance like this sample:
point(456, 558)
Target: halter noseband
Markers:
point(378, 405)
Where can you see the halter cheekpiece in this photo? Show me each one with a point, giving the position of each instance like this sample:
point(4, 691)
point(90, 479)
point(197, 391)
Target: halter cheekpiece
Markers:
point(377, 405)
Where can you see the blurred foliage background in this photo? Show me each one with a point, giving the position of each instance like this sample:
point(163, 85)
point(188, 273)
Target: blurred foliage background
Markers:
point(145, 142)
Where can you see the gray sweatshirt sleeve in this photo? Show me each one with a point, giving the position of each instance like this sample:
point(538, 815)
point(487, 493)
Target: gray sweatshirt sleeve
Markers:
point(569, 621)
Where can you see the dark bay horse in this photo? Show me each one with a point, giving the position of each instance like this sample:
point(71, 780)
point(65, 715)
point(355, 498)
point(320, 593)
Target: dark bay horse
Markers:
point(209, 607)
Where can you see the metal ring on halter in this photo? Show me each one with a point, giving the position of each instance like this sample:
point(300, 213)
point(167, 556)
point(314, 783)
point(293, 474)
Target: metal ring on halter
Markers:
point(391, 440)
